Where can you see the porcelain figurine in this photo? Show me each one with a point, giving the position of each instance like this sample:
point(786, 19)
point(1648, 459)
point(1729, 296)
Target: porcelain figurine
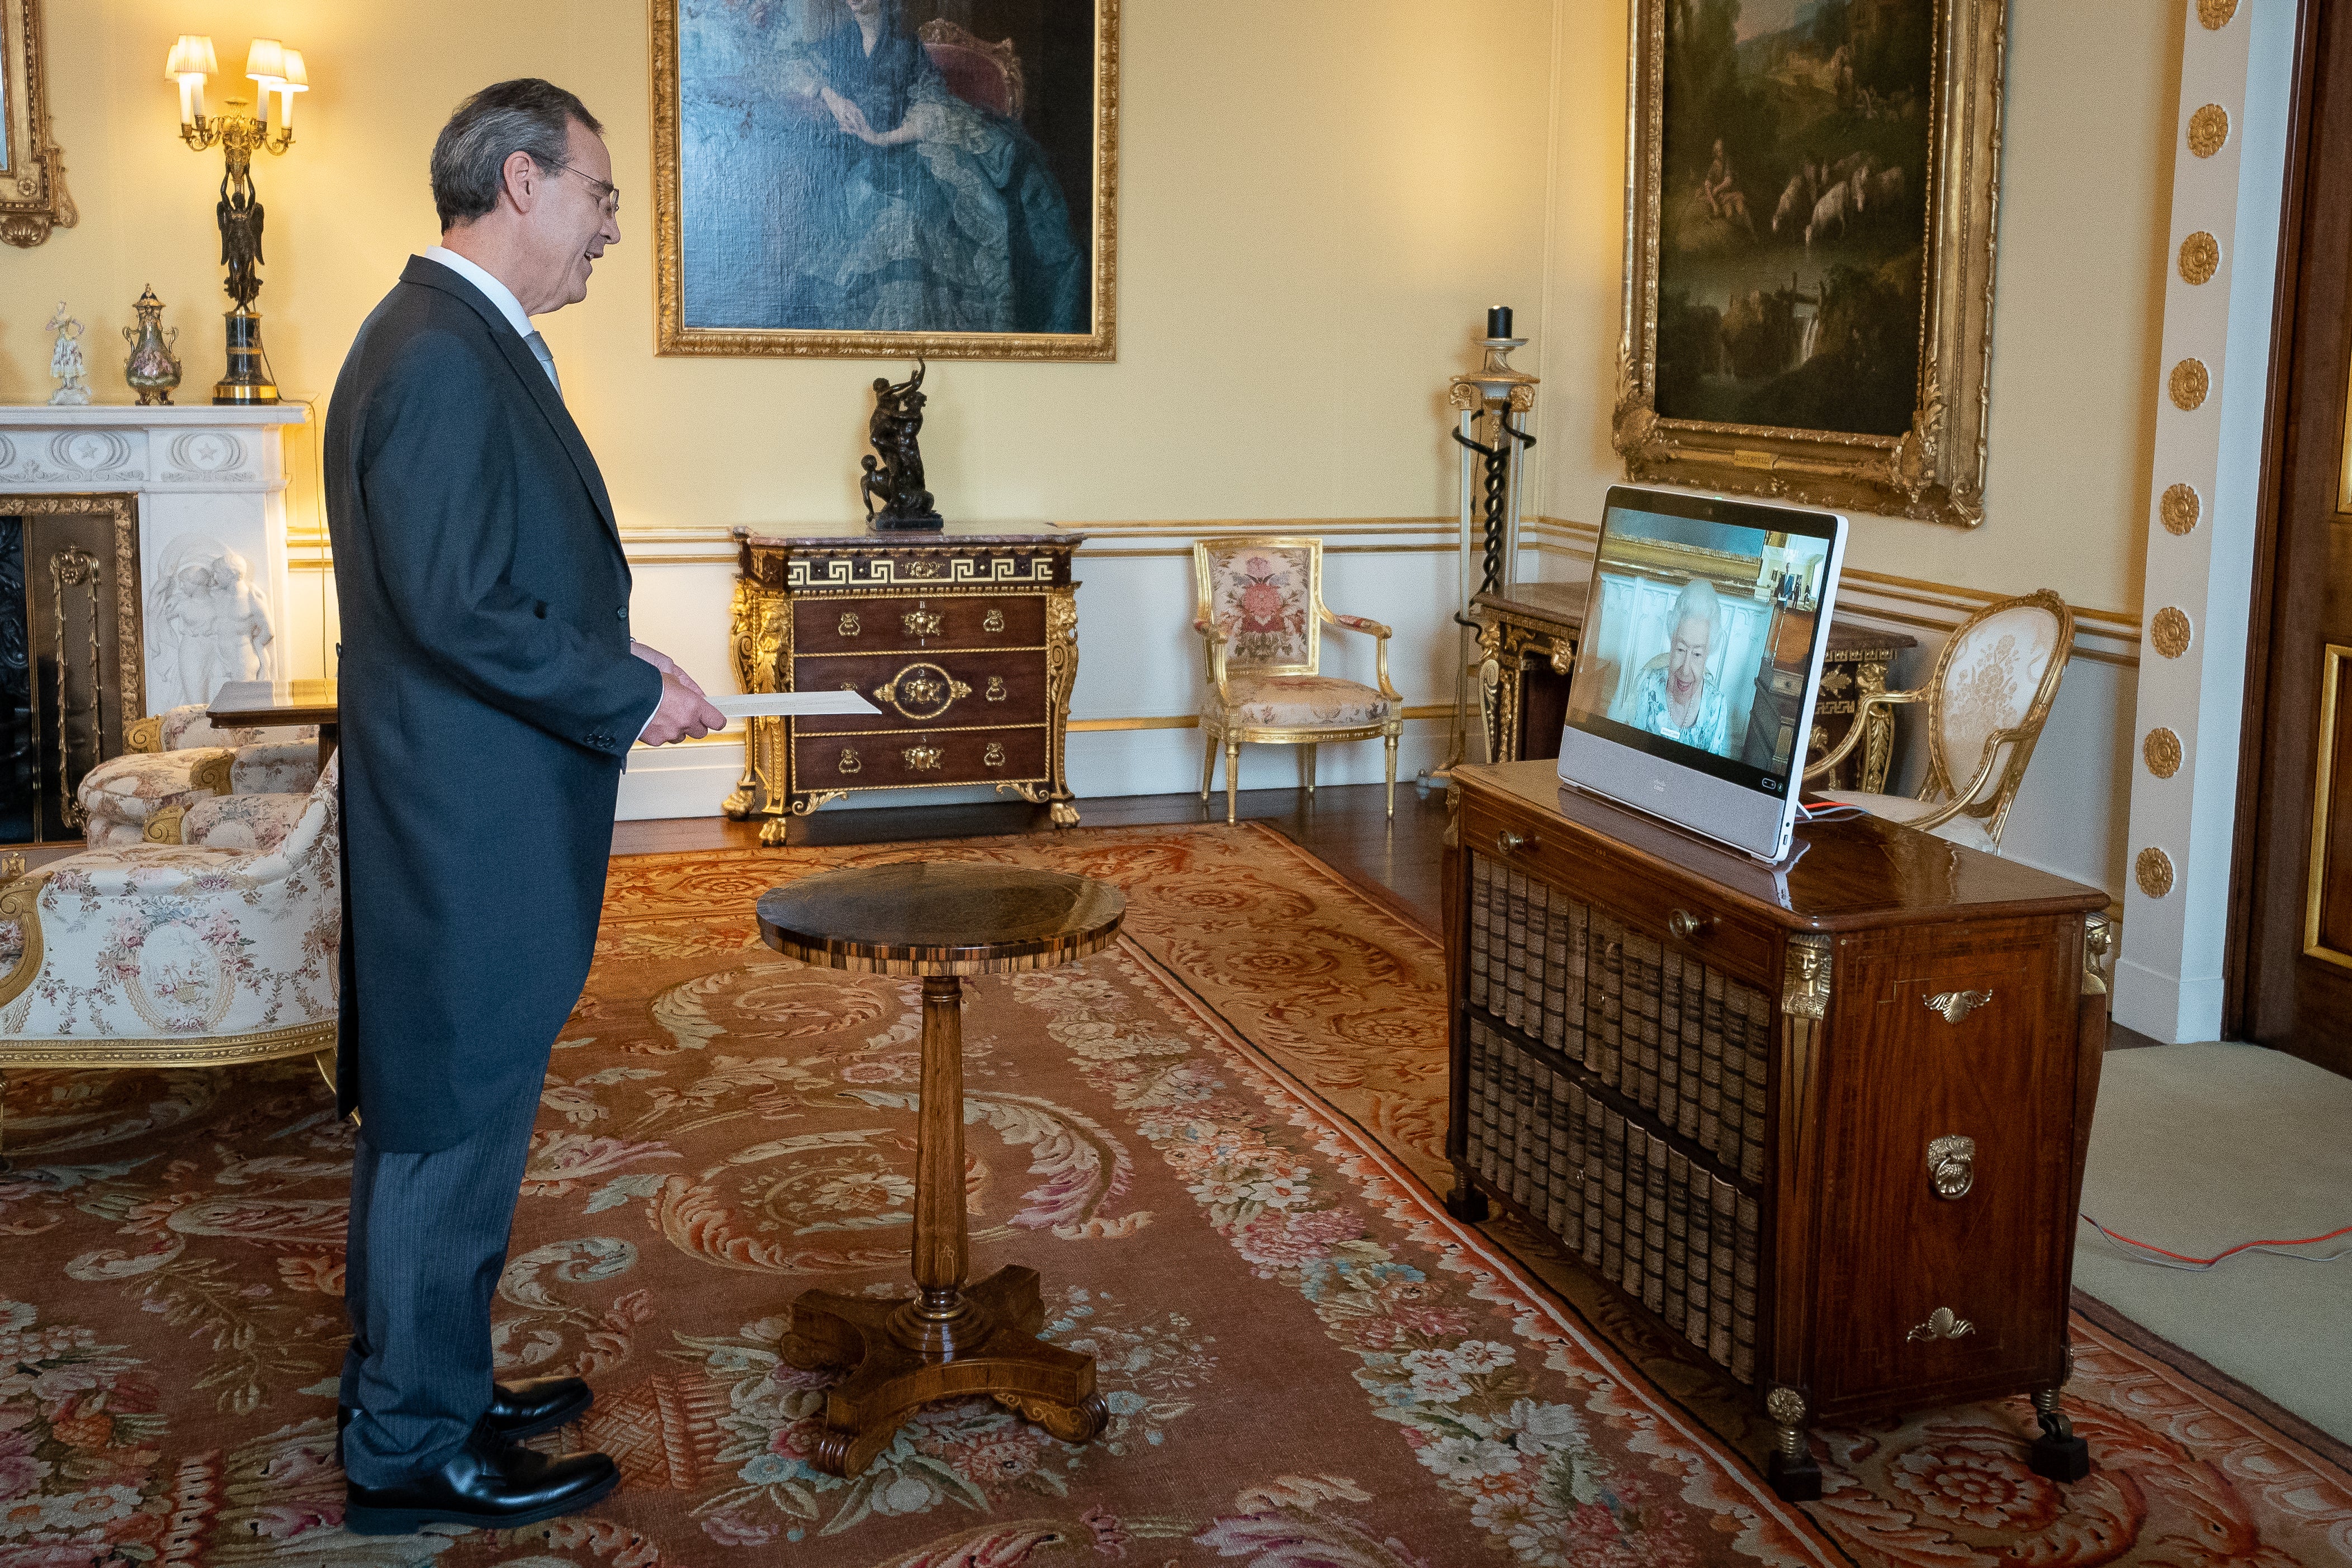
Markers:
point(150, 369)
point(66, 363)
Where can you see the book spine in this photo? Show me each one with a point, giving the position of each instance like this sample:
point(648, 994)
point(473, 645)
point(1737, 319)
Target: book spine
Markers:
point(1653, 1229)
point(1702, 1269)
point(1733, 1019)
point(1710, 1067)
point(1723, 1247)
point(1596, 1157)
point(1759, 1034)
point(1567, 1170)
point(1678, 1175)
point(1642, 964)
point(1557, 1026)
point(1482, 929)
point(1743, 1295)
point(1670, 1033)
point(1532, 1080)
point(1578, 1044)
point(1539, 928)
point(1515, 949)
point(1691, 1026)
point(1613, 1198)
point(1637, 1209)
point(1611, 936)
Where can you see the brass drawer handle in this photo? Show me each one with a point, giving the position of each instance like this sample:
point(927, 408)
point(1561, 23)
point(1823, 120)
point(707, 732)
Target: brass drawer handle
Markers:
point(996, 692)
point(1958, 1004)
point(849, 763)
point(1686, 925)
point(848, 626)
point(1511, 843)
point(993, 756)
point(1952, 1165)
point(922, 759)
point(993, 621)
point(920, 622)
point(1942, 1324)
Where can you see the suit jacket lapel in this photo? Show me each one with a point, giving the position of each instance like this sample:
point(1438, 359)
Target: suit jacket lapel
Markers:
point(528, 370)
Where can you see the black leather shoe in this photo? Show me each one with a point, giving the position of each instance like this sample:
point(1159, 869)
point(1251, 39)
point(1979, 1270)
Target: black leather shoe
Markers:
point(523, 1409)
point(530, 1405)
point(489, 1483)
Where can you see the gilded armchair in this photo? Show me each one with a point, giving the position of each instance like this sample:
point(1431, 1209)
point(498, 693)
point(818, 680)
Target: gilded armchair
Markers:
point(219, 951)
point(1991, 692)
point(1260, 616)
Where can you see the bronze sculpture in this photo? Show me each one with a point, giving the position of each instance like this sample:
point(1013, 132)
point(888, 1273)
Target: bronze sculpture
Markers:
point(894, 469)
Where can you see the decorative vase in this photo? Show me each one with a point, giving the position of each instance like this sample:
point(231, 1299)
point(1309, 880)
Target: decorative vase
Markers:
point(150, 369)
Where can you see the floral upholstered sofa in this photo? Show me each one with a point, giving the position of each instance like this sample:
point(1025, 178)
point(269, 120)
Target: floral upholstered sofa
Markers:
point(221, 950)
point(175, 761)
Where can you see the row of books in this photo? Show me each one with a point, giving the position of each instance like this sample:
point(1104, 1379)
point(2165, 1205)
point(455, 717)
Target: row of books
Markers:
point(1657, 1026)
point(1678, 1239)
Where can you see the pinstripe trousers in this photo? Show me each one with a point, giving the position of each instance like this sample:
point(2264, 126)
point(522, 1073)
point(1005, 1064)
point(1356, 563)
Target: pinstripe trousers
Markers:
point(427, 1244)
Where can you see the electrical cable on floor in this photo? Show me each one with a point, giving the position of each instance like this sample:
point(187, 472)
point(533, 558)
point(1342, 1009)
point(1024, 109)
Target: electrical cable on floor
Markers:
point(2162, 1259)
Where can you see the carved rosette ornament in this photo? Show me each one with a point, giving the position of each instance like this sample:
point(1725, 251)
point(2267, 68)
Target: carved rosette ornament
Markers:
point(2153, 871)
point(2189, 383)
point(2179, 509)
point(2169, 630)
point(2200, 256)
point(2161, 752)
point(2208, 128)
point(2214, 15)
point(1785, 1406)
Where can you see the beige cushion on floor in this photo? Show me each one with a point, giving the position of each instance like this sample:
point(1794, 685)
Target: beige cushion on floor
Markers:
point(1969, 830)
point(1304, 701)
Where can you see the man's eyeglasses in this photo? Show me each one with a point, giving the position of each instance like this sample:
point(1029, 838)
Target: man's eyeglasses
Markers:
point(608, 192)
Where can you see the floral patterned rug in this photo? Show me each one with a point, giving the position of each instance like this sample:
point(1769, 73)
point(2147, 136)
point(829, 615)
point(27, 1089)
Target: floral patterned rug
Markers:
point(1215, 1142)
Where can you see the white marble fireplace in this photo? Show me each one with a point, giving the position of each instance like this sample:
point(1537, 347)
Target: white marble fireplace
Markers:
point(211, 484)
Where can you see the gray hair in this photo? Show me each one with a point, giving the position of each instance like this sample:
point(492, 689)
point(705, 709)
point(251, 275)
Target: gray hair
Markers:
point(525, 115)
point(1697, 602)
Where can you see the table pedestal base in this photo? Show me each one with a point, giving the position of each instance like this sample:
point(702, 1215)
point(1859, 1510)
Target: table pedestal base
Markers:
point(982, 1340)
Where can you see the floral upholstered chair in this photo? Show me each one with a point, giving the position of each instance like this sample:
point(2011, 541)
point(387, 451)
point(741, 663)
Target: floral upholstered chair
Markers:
point(1992, 690)
point(209, 953)
point(1260, 617)
point(172, 762)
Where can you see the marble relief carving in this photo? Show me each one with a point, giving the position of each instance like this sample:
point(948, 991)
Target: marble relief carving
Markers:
point(207, 621)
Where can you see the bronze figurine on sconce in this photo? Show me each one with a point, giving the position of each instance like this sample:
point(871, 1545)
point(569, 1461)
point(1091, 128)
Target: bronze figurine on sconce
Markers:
point(273, 69)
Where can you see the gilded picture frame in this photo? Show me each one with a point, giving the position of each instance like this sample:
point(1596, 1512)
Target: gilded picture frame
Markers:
point(1753, 424)
point(727, 98)
point(33, 197)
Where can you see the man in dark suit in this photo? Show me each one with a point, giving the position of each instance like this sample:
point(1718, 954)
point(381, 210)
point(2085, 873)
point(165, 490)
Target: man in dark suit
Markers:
point(490, 694)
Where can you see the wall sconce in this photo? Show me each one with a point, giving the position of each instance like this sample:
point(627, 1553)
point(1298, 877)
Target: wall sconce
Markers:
point(273, 69)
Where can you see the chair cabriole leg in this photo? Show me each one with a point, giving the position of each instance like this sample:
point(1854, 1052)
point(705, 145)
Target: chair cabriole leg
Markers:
point(1208, 761)
point(1233, 772)
point(1389, 743)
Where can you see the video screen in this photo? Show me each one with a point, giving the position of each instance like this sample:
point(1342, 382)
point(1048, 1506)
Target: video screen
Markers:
point(1698, 643)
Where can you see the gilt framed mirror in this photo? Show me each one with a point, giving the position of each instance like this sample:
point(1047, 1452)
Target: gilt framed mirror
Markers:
point(33, 198)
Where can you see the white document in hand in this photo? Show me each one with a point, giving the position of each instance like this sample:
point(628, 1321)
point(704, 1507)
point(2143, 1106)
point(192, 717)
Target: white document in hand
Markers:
point(790, 705)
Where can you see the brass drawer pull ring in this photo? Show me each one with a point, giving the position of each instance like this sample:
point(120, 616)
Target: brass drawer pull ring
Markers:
point(1511, 843)
point(1952, 1165)
point(848, 626)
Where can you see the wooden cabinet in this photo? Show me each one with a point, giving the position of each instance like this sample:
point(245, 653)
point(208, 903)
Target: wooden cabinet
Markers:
point(1530, 634)
point(966, 640)
point(1824, 1123)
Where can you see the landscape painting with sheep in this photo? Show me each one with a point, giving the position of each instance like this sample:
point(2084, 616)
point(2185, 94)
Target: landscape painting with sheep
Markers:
point(1792, 229)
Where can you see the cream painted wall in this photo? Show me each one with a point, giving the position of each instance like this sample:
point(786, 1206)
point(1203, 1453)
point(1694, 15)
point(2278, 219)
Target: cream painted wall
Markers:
point(2087, 180)
point(1318, 198)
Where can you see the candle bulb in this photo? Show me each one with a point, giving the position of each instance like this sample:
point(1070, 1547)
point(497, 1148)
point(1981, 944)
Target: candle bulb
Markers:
point(1498, 322)
point(187, 101)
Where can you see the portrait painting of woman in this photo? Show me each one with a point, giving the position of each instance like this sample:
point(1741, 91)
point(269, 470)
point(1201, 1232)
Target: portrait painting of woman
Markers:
point(880, 176)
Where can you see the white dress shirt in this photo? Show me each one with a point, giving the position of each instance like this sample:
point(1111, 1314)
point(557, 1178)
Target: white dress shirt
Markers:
point(500, 295)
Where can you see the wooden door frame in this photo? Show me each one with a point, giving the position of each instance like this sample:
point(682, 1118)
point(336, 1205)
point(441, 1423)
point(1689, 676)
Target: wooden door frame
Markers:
point(2237, 954)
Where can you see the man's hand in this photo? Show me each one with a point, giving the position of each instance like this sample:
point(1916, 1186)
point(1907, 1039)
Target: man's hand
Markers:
point(684, 712)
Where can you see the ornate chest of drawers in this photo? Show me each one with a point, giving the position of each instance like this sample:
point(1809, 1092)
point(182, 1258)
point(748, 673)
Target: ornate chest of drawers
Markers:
point(966, 639)
point(1824, 1123)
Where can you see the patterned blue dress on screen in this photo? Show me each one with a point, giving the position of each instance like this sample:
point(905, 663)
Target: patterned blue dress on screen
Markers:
point(1652, 709)
point(789, 221)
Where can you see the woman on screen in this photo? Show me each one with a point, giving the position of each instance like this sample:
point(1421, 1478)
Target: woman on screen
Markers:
point(1675, 695)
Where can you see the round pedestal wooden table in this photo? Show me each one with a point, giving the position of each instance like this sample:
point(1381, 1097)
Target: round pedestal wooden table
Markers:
point(946, 1341)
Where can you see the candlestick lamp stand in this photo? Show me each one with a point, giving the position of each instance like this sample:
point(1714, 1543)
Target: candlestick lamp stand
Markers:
point(1493, 402)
